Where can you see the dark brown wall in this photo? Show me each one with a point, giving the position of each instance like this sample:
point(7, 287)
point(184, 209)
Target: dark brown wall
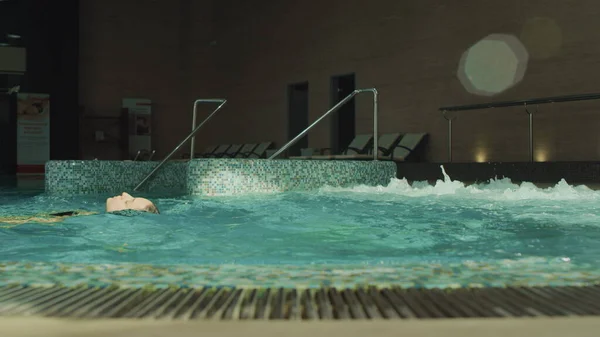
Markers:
point(49, 32)
point(408, 50)
point(157, 50)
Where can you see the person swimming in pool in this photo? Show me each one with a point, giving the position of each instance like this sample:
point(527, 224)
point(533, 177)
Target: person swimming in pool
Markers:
point(123, 204)
point(127, 202)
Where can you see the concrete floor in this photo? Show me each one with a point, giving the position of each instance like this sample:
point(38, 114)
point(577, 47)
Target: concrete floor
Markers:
point(526, 327)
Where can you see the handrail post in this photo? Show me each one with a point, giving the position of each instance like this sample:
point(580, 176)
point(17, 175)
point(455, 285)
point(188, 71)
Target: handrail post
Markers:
point(449, 140)
point(531, 137)
point(198, 101)
point(449, 119)
point(334, 108)
point(375, 124)
point(193, 141)
point(530, 113)
point(525, 103)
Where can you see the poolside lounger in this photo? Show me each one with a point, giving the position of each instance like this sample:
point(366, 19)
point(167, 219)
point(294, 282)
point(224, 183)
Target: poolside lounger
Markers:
point(261, 150)
point(359, 145)
point(144, 155)
point(399, 152)
point(219, 152)
point(407, 145)
point(309, 151)
point(386, 144)
point(207, 151)
point(270, 152)
point(306, 153)
point(232, 151)
point(246, 150)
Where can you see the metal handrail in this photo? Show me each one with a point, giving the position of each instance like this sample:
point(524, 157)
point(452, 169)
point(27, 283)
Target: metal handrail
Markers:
point(504, 104)
point(191, 135)
point(524, 102)
point(334, 108)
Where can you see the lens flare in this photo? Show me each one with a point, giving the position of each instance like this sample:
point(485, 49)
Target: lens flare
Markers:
point(493, 65)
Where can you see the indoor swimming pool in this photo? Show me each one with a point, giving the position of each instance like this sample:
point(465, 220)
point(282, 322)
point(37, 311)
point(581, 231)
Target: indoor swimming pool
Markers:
point(415, 235)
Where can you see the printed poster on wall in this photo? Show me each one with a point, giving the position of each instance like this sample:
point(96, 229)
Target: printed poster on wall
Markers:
point(33, 133)
point(140, 130)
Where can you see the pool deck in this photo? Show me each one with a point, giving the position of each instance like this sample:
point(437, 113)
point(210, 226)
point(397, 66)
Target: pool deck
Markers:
point(527, 327)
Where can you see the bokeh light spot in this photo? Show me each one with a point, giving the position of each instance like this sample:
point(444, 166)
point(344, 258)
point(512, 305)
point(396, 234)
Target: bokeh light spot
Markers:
point(542, 37)
point(493, 65)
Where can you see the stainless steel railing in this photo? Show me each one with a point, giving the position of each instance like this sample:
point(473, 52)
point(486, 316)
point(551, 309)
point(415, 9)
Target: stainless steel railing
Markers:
point(189, 136)
point(334, 108)
point(525, 103)
point(194, 115)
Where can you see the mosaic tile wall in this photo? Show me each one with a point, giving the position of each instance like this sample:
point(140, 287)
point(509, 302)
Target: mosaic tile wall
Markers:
point(213, 176)
point(537, 272)
point(228, 177)
point(112, 177)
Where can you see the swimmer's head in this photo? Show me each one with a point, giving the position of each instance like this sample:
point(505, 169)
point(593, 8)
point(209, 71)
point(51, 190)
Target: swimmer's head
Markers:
point(125, 201)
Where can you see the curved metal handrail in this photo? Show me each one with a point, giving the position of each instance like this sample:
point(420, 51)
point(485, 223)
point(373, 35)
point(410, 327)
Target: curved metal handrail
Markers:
point(190, 136)
point(334, 108)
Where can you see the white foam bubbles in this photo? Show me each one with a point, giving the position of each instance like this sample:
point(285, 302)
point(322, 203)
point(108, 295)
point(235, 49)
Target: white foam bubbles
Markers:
point(496, 189)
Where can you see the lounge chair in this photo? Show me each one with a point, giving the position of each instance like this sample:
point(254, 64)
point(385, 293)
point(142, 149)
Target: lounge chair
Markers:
point(232, 151)
point(307, 152)
point(246, 150)
point(261, 150)
point(359, 145)
point(219, 152)
point(398, 152)
point(207, 151)
point(386, 144)
point(407, 146)
point(270, 152)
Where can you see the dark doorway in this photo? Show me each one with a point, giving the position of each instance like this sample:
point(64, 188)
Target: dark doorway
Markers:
point(343, 120)
point(297, 116)
point(8, 133)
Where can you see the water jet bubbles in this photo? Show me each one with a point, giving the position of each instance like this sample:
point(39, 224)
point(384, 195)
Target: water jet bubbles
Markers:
point(493, 65)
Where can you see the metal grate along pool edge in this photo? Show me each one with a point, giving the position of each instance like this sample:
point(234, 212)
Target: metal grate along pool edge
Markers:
point(297, 304)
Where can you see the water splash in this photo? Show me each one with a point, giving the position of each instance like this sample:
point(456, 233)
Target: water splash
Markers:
point(446, 176)
point(495, 189)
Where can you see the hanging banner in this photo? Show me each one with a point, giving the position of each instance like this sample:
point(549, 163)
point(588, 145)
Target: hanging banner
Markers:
point(33, 132)
point(140, 130)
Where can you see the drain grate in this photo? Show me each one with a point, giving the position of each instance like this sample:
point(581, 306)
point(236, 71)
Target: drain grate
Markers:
point(297, 304)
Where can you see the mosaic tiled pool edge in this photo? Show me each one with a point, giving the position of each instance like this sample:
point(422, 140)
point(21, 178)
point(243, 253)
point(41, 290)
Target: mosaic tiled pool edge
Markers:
point(227, 177)
point(213, 176)
point(99, 176)
point(464, 275)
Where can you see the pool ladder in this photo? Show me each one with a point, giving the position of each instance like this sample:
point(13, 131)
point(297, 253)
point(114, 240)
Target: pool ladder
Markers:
point(222, 102)
point(334, 108)
point(191, 136)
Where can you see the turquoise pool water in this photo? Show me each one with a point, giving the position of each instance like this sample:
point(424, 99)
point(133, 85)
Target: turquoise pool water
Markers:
point(440, 235)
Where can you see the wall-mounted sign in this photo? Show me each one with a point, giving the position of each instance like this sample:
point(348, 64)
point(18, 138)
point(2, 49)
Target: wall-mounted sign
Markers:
point(33, 132)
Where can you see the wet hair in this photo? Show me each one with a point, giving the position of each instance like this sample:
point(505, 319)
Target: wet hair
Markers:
point(67, 213)
point(129, 212)
point(153, 209)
